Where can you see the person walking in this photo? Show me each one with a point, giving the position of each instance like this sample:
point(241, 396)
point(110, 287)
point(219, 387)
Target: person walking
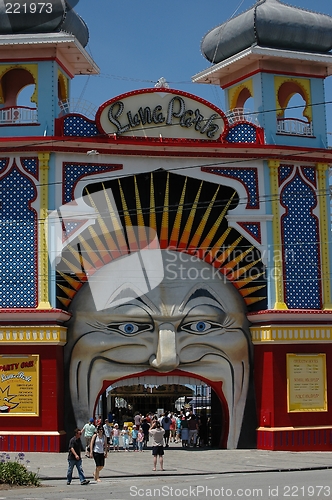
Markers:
point(193, 430)
point(172, 428)
point(145, 425)
point(140, 439)
point(125, 437)
point(184, 431)
point(134, 436)
point(98, 451)
point(178, 429)
point(157, 434)
point(166, 424)
point(107, 431)
point(116, 437)
point(88, 431)
point(74, 458)
point(137, 419)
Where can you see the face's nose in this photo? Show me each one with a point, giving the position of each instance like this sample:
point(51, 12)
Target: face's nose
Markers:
point(166, 358)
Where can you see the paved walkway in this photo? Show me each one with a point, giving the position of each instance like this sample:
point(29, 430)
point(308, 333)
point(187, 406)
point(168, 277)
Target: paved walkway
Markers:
point(178, 461)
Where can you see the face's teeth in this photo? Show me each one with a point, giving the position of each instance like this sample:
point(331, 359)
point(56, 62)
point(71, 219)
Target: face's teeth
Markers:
point(231, 387)
point(230, 382)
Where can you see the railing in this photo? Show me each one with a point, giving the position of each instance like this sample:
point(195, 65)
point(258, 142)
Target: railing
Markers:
point(294, 126)
point(237, 115)
point(18, 115)
point(80, 106)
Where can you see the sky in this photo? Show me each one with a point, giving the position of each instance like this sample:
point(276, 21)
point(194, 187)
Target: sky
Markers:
point(135, 43)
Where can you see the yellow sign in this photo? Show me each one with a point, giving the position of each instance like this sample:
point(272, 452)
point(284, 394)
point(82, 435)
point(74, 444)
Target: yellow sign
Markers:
point(306, 382)
point(19, 385)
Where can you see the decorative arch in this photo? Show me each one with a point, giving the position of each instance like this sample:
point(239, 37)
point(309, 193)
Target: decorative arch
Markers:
point(286, 88)
point(187, 215)
point(301, 243)
point(18, 234)
point(238, 95)
point(31, 77)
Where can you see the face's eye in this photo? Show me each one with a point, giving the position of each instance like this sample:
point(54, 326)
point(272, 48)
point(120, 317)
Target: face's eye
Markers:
point(200, 327)
point(129, 328)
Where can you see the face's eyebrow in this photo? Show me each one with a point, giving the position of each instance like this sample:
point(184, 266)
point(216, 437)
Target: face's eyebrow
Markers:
point(142, 300)
point(123, 293)
point(198, 293)
point(148, 303)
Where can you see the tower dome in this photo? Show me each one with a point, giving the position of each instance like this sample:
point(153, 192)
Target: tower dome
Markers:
point(269, 23)
point(54, 16)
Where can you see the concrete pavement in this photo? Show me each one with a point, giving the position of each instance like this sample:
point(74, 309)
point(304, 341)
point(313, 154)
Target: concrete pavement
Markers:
point(52, 467)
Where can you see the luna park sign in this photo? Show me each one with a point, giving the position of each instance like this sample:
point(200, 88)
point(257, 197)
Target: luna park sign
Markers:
point(161, 113)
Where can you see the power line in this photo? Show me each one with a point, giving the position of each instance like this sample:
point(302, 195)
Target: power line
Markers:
point(177, 168)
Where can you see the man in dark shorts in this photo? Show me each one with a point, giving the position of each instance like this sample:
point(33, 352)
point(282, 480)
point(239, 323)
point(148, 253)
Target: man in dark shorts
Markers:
point(157, 434)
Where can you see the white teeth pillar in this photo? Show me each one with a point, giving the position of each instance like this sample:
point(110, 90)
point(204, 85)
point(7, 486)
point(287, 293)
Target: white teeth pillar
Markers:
point(236, 401)
point(166, 358)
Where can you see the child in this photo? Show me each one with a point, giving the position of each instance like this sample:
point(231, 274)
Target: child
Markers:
point(178, 429)
point(134, 435)
point(115, 435)
point(172, 428)
point(125, 437)
point(140, 439)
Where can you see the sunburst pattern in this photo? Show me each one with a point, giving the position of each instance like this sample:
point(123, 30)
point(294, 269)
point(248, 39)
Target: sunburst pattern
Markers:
point(188, 223)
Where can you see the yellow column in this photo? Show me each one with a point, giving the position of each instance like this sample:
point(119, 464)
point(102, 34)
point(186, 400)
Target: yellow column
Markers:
point(277, 246)
point(324, 233)
point(43, 298)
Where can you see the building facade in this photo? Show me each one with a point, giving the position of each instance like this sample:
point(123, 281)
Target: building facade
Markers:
point(164, 241)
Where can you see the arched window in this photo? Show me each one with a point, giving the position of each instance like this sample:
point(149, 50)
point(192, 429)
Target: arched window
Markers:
point(62, 87)
point(294, 115)
point(243, 97)
point(25, 95)
point(18, 97)
point(241, 103)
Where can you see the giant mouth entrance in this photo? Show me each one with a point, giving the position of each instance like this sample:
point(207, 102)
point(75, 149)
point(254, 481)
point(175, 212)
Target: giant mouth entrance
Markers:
point(125, 398)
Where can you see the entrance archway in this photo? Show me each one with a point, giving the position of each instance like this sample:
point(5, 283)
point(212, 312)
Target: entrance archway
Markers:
point(158, 395)
point(147, 398)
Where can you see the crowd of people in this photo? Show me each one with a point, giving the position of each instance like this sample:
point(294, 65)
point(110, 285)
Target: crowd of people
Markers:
point(157, 431)
point(183, 428)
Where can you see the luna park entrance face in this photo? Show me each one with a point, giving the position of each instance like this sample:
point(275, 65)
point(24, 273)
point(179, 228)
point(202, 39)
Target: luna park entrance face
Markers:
point(184, 330)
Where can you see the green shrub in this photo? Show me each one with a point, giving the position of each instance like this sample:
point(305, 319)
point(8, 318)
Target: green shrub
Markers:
point(15, 472)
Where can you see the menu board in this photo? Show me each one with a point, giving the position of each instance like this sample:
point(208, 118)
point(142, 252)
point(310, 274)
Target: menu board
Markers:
point(306, 382)
point(19, 385)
